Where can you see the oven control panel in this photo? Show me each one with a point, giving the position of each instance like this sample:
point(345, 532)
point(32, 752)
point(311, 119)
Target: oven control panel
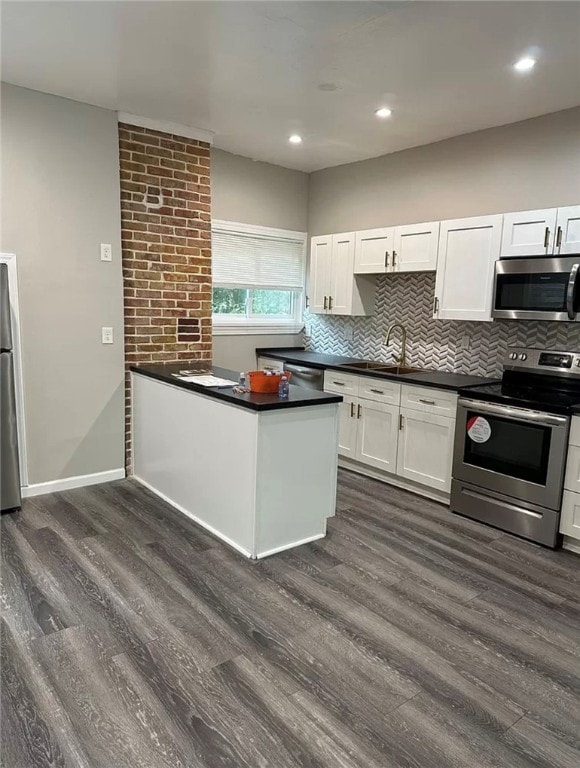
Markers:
point(543, 361)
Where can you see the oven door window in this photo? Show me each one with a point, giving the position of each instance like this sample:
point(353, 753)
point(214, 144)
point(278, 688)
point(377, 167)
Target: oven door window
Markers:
point(541, 292)
point(512, 448)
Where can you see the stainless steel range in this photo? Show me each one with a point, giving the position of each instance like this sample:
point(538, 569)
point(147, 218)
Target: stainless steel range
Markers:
point(511, 443)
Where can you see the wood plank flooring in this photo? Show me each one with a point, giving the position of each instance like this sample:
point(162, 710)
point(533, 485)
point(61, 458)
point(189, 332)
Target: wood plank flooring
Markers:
point(408, 638)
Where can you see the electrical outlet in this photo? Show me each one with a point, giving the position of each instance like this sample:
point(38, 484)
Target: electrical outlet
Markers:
point(106, 252)
point(348, 334)
point(106, 335)
point(464, 342)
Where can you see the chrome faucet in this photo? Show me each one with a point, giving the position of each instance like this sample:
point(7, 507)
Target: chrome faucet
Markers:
point(399, 359)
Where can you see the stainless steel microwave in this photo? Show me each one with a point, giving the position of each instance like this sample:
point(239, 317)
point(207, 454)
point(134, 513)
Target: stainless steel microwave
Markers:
point(537, 289)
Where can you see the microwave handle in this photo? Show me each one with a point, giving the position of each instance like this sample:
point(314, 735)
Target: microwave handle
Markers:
point(571, 291)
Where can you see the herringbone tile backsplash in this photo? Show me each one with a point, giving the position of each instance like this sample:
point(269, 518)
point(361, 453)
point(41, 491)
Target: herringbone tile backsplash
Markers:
point(436, 344)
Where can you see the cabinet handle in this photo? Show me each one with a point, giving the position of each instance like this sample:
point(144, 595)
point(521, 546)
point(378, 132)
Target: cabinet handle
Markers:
point(377, 391)
point(427, 402)
point(330, 302)
point(559, 238)
point(352, 410)
point(386, 258)
point(339, 383)
point(358, 410)
point(394, 257)
point(547, 238)
point(401, 421)
point(306, 302)
point(325, 302)
point(435, 305)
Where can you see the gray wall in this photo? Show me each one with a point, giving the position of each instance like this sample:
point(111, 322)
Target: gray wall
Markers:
point(527, 165)
point(60, 200)
point(266, 195)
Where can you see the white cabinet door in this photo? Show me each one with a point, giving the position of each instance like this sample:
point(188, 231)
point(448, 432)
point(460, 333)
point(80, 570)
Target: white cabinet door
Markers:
point(568, 230)
point(570, 515)
point(468, 250)
point(528, 233)
point(319, 279)
point(426, 449)
point(342, 274)
point(348, 427)
point(373, 251)
point(415, 247)
point(378, 430)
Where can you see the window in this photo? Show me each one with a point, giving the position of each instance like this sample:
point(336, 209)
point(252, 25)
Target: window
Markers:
point(258, 278)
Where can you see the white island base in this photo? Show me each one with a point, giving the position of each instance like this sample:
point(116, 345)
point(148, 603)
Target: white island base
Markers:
point(262, 481)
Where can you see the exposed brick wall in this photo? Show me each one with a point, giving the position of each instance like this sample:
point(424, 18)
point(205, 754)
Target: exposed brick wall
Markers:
point(165, 212)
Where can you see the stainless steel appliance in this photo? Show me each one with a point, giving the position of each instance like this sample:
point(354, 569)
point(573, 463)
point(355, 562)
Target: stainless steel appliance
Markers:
point(511, 442)
point(303, 376)
point(9, 469)
point(537, 289)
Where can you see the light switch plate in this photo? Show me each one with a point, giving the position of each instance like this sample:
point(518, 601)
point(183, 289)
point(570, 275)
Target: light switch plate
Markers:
point(106, 335)
point(106, 252)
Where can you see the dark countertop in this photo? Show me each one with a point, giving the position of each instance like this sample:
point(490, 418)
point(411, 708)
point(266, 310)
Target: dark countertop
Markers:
point(298, 398)
point(435, 379)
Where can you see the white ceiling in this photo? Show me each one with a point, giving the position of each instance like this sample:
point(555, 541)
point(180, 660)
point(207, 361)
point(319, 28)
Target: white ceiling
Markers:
point(250, 71)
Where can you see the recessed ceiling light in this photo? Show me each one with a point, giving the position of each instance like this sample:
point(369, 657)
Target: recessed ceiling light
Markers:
point(295, 139)
point(525, 65)
point(383, 112)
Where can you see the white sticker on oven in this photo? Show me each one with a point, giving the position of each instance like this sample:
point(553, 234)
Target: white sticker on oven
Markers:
point(478, 429)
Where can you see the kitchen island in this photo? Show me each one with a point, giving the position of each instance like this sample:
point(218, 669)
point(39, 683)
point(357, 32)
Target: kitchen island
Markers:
point(257, 471)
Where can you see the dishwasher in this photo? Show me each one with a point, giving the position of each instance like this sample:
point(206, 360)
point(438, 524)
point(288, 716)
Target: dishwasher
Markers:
point(309, 378)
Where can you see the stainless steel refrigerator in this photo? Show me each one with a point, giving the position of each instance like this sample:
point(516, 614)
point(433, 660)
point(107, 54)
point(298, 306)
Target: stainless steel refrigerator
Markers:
point(9, 469)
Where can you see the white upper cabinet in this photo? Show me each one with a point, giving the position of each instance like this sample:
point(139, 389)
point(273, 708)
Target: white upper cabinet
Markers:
point(568, 230)
point(528, 233)
point(373, 251)
point(333, 287)
point(340, 297)
point(411, 248)
point(468, 250)
point(415, 248)
point(319, 281)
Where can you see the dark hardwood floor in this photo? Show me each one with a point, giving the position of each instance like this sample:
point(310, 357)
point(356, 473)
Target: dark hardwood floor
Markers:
point(408, 637)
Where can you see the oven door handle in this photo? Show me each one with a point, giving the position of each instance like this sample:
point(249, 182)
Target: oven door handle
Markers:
point(516, 414)
point(571, 291)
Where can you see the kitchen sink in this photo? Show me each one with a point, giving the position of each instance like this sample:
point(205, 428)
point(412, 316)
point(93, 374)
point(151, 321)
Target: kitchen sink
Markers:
point(399, 370)
point(365, 366)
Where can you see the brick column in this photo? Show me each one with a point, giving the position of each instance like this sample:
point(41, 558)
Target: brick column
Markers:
point(165, 212)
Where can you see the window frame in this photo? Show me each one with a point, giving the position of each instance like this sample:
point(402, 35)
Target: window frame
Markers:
point(225, 324)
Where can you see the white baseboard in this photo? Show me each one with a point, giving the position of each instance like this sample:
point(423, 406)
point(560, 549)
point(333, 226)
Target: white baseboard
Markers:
point(274, 551)
point(571, 544)
point(195, 519)
point(38, 489)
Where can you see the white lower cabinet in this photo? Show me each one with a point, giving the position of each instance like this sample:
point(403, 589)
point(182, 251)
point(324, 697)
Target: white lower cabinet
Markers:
point(570, 515)
point(377, 434)
point(425, 450)
point(269, 364)
point(348, 427)
point(403, 430)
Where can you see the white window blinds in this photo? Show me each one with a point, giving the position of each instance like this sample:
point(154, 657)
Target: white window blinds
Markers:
point(257, 258)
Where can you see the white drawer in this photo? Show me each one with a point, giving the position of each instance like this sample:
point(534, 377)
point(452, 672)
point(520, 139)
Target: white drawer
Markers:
point(570, 516)
point(575, 431)
point(343, 383)
point(572, 479)
point(428, 400)
point(380, 390)
point(269, 364)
